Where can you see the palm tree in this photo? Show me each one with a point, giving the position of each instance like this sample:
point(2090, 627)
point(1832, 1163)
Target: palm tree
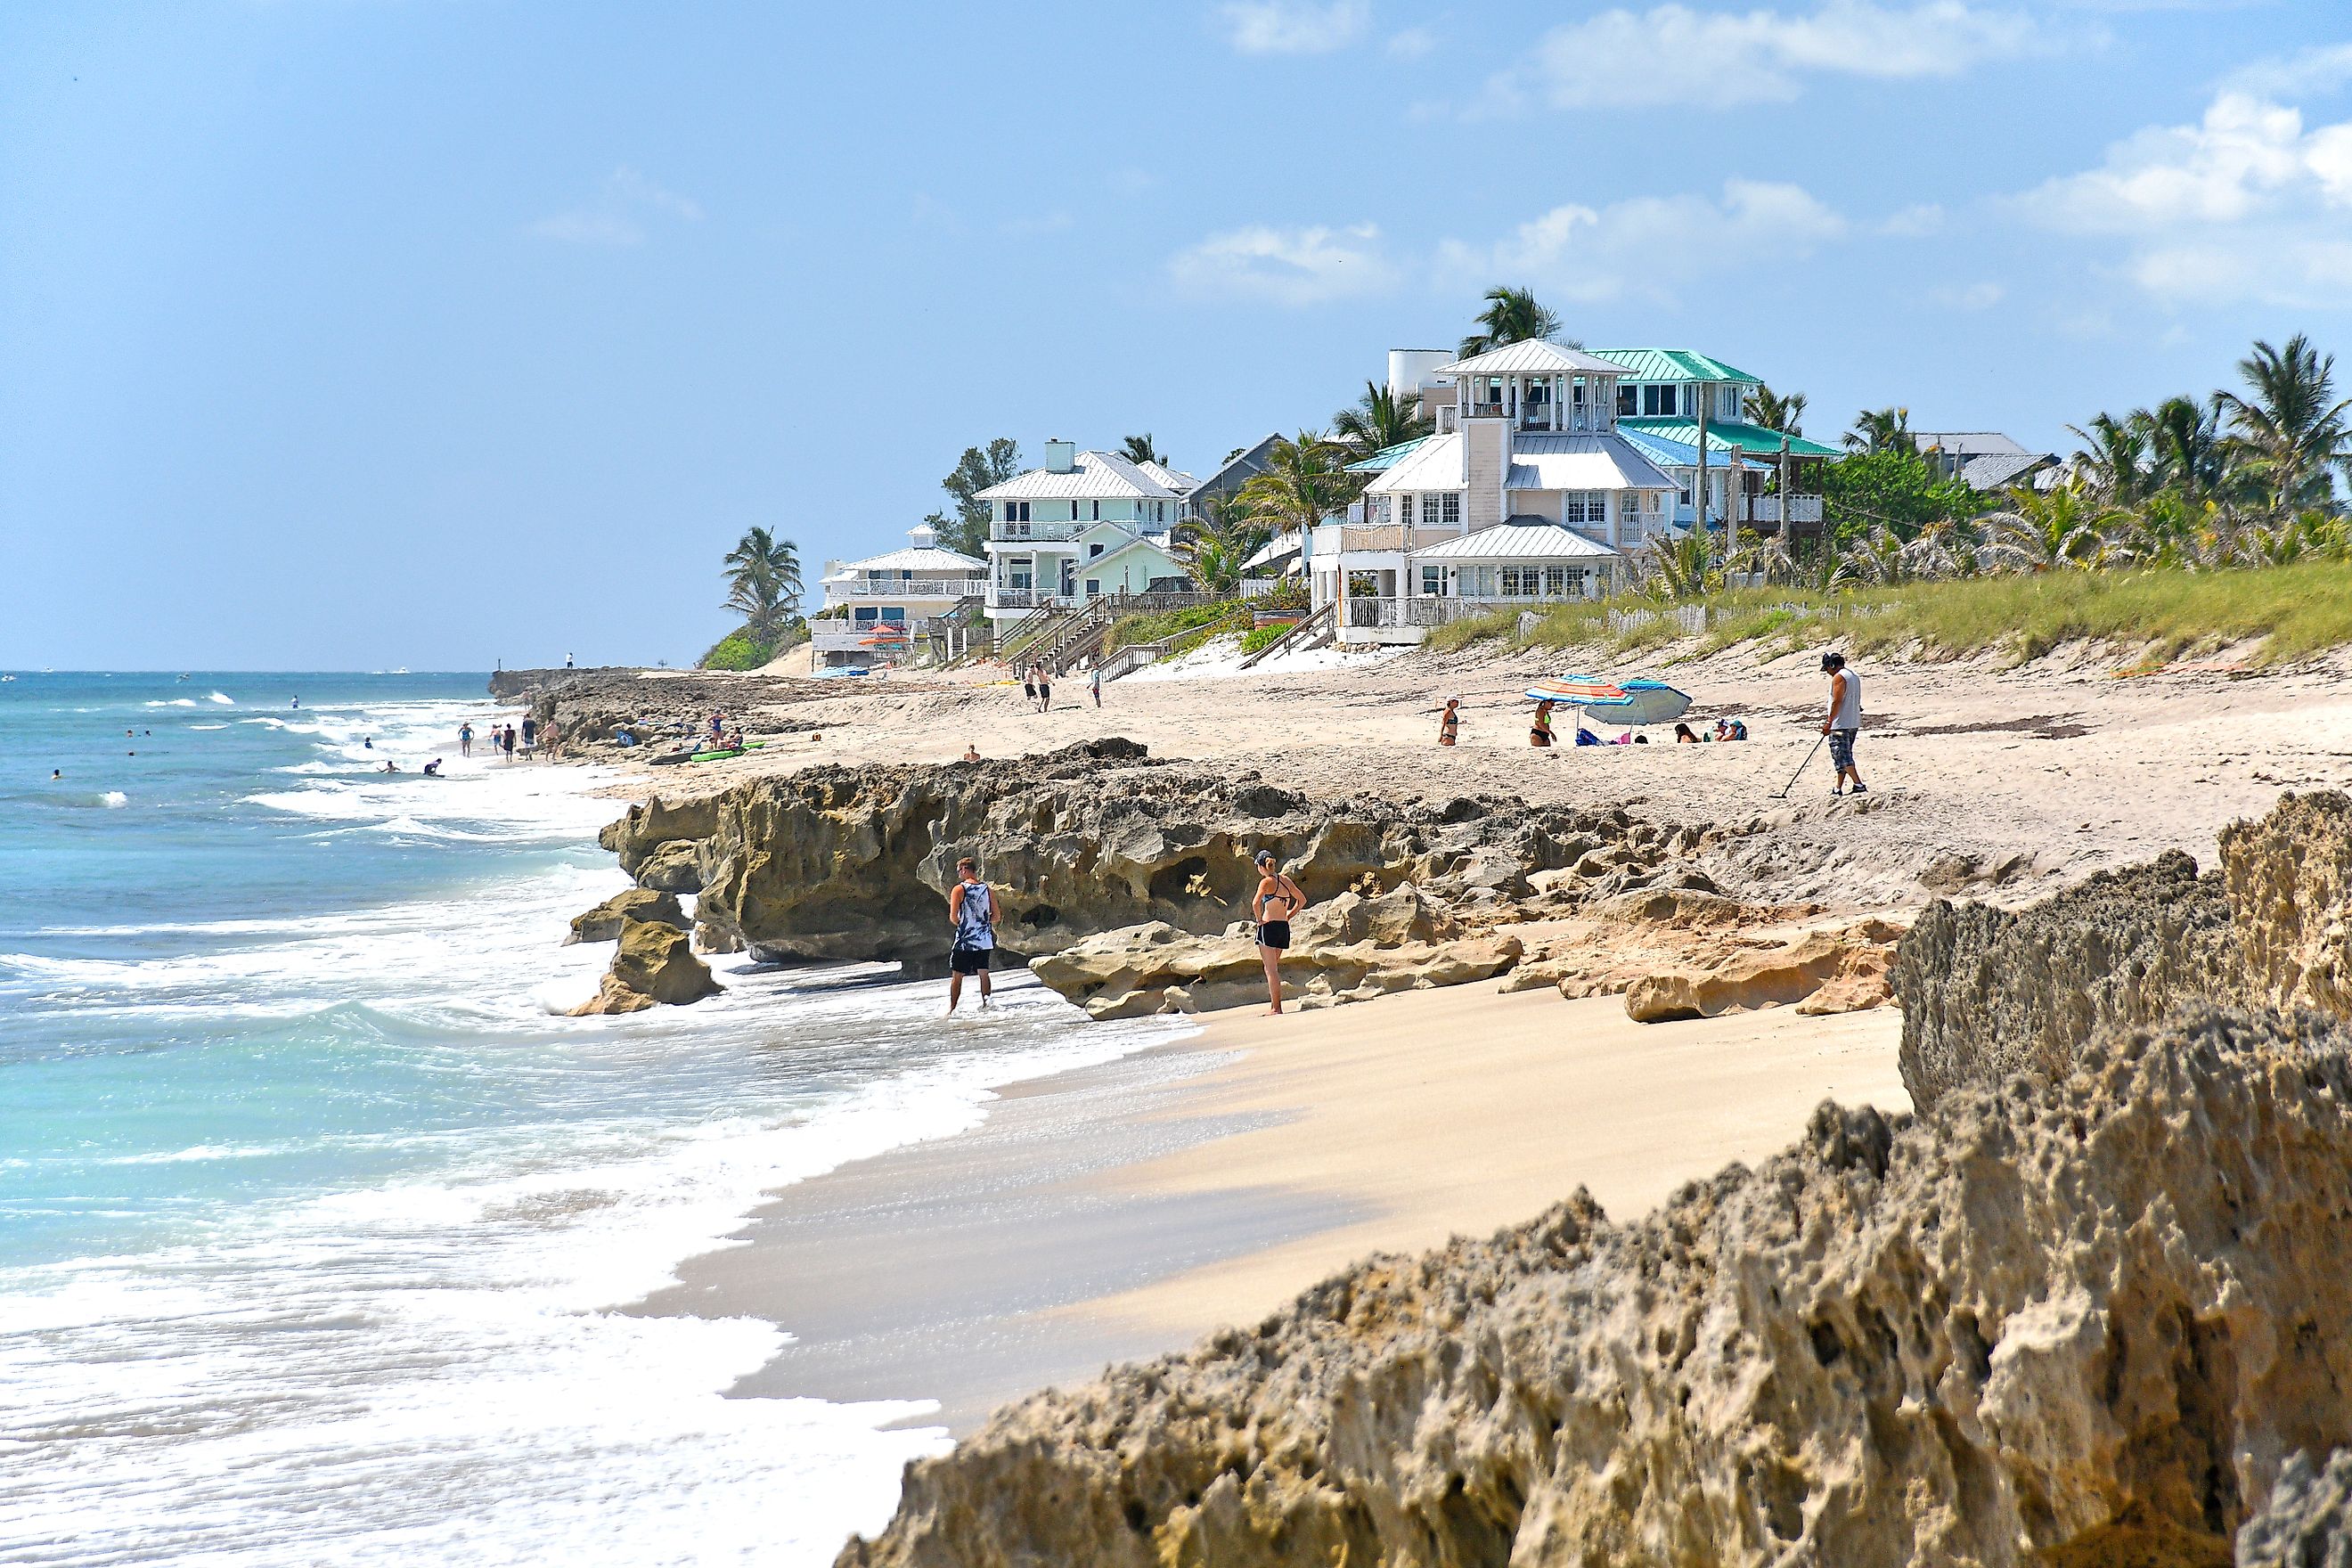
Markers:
point(1306, 481)
point(1216, 543)
point(1140, 449)
point(2049, 530)
point(763, 582)
point(2185, 446)
point(1379, 419)
point(2293, 431)
point(1881, 430)
point(2113, 459)
point(1768, 408)
point(1511, 316)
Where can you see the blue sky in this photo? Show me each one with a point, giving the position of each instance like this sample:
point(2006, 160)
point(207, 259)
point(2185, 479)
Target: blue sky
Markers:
point(352, 333)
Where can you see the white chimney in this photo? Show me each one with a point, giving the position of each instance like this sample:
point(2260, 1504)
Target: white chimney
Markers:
point(1061, 456)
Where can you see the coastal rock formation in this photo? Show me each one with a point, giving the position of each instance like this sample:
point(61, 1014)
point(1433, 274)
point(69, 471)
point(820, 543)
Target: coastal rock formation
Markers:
point(2289, 883)
point(1347, 949)
point(855, 863)
point(603, 923)
point(2082, 1322)
point(653, 966)
point(1987, 993)
point(2308, 1523)
point(1850, 964)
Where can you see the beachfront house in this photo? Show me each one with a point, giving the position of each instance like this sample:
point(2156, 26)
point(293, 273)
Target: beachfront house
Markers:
point(1526, 492)
point(1985, 460)
point(1080, 526)
point(1245, 463)
point(880, 608)
point(1666, 396)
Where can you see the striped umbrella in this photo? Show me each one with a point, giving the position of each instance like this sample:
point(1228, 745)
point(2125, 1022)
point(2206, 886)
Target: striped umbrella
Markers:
point(1579, 690)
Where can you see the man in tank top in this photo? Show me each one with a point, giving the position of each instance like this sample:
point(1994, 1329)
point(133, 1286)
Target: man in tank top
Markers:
point(971, 911)
point(1843, 722)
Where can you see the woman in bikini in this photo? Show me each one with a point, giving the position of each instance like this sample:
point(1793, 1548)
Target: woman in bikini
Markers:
point(1278, 900)
point(1539, 732)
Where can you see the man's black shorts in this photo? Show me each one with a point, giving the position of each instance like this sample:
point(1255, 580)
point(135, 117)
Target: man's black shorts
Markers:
point(968, 960)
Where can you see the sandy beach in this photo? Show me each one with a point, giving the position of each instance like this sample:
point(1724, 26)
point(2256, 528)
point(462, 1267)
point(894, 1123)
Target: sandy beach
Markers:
point(1124, 1211)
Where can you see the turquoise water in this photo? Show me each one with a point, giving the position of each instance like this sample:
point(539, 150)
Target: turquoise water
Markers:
point(314, 1203)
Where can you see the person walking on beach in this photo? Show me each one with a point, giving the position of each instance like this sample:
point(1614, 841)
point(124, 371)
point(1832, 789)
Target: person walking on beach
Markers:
point(1094, 684)
point(1045, 689)
point(1278, 900)
point(1843, 722)
point(1029, 686)
point(1449, 723)
point(529, 735)
point(466, 739)
point(1539, 732)
point(971, 911)
point(506, 743)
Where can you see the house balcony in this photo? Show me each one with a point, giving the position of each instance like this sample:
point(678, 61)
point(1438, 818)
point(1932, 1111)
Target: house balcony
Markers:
point(904, 588)
point(1000, 598)
point(1031, 532)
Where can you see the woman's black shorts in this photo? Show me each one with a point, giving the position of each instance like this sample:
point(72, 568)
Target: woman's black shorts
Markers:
point(1273, 933)
point(968, 960)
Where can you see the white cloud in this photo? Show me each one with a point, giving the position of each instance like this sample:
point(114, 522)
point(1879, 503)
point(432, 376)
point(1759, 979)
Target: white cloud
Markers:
point(1644, 246)
point(613, 218)
point(2246, 204)
point(1413, 43)
point(1622, 57)
point(2312, 70)
point(1295, 26)
point(1285, 265)
point(1914, 222)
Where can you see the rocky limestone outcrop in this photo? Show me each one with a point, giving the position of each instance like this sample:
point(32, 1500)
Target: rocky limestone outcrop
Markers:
point(654, 966)
point(1347, 949)
point(2308, 1523)
point(1987, 993)
point(2288, 878)
point(603, 922)
point(1846, 969)
point(2081, 1321)
point(855, 863)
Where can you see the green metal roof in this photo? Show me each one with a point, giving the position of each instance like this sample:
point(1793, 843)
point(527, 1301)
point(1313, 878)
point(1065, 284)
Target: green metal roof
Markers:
point(1381, 462)
point(1675, 364)
point(1753, 439)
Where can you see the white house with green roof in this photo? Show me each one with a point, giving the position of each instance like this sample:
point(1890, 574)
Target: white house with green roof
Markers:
point(1669, 395)
point(1527, 491)
point(1078, 526)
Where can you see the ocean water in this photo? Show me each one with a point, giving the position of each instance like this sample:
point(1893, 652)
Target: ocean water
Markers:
point(313, 1207)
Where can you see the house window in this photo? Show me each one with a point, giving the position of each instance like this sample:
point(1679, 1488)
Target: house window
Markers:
point(1094, 587)
point(1629, 400)
point(1450, 512)
point(1579, 508)
point(1658, 400)
point(863, 616)
point(1433, 582)
point(1097, 516)
point(1020, 570)
point(1093, 551)
point(1016, 511)
point(1429, 511)
point(1555, 581)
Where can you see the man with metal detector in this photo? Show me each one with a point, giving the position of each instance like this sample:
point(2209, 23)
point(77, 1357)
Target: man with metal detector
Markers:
point(1843, 722)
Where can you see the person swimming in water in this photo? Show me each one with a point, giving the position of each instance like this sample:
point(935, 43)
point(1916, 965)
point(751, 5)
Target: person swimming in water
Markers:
point(433, 769)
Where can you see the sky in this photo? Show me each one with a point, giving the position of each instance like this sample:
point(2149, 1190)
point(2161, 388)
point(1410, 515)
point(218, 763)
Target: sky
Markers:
point(438, 333)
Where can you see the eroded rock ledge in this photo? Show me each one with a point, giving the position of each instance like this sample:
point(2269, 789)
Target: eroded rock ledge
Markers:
point(843, 863)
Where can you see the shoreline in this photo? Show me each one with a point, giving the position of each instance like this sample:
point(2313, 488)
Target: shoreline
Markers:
point(1124, 1210)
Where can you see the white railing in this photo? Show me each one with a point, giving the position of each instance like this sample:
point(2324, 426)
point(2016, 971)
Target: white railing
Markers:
point(906, 588)
point(1801, 509)
point(1021, 532)
point(1031, 598)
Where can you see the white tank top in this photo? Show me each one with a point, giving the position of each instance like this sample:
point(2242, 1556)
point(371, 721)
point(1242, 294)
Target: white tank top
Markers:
point(1848, 715)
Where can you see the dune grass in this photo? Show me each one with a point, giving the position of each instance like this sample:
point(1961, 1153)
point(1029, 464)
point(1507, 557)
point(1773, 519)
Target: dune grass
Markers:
point(1160, 625)
point(2291, 612)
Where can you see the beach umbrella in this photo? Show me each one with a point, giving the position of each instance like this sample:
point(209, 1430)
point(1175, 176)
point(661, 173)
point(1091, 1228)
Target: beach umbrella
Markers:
point(1647, 703)
point(1579, 690)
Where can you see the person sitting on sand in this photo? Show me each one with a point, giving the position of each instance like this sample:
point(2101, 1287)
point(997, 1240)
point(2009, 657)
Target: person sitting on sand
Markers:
point(1683, 734)
point(1278, 899)
point(1449, 723)
point(971, 911)
point(1540, 731)
point(970, 752)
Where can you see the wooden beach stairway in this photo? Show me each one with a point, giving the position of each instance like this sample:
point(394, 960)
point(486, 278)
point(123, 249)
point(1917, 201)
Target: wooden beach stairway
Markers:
point(1315, 631)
